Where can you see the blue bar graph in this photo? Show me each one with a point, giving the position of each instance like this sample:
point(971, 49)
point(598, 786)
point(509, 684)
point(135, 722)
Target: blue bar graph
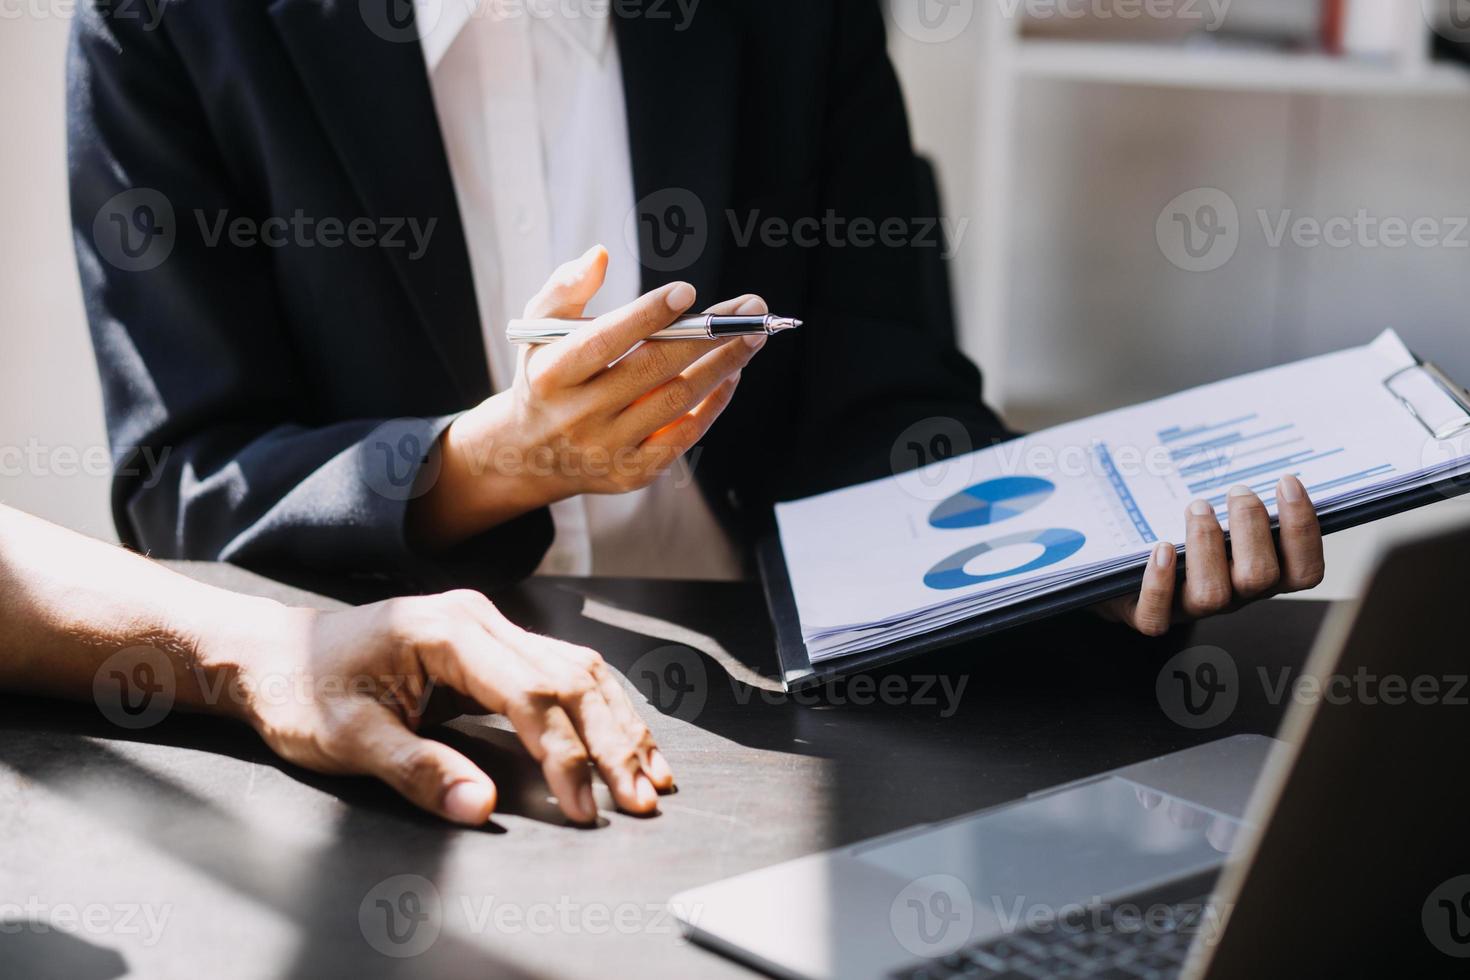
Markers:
point(1212, 457)
point(1342, 481)
point(1275, 465)
point(1231, 459)
point(1226, 441)
point(1175, 433)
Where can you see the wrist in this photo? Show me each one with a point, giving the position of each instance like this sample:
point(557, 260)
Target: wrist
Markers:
point(487, 477)
point(241, 644)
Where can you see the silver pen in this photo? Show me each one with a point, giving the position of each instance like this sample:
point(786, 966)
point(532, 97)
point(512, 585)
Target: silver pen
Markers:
point(704, 327)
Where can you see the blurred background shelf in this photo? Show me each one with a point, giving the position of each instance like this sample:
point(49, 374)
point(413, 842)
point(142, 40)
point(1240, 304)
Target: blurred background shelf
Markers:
point(1224, 69)
point(1125, 110)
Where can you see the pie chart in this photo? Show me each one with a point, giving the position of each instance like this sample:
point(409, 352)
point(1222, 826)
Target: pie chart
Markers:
point(1058, 544)
point(991, 502)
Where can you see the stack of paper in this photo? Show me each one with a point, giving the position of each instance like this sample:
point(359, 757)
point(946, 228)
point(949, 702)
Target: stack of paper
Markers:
point(902, 556)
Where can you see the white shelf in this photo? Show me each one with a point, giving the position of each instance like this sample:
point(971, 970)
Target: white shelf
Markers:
point(1230, 70)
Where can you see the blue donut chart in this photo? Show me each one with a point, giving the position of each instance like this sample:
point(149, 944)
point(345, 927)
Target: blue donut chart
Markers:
point(991, 502)
point(1060, 544)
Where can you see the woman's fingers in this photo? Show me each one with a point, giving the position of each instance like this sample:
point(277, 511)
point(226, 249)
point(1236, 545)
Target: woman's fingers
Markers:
point(588, 352)
point(1302, 564)
point(1254, 568)
point(667, 372)
point(1207, 587)
point(1152, 612)
point(640, 405)
point(1215, 581)
point(428, 774)
point(571, 287)
point(680, 395)
point(675, 439)
point(683, 410)
point(646, 369)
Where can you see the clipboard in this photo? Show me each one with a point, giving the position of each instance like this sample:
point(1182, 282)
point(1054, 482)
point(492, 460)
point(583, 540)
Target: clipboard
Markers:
point(1409, 386)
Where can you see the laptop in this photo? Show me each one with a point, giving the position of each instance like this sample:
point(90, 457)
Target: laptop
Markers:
point(1339, 848)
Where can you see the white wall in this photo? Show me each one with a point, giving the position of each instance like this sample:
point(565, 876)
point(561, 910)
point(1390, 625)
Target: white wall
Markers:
point(1102, 317)
point(50, 404)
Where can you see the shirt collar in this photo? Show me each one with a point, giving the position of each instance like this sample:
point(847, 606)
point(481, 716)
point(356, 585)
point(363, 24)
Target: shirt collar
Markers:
point(585, 24)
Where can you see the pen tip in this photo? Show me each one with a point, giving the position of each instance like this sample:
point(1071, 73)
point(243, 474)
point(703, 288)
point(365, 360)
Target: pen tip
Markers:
point(784, 323)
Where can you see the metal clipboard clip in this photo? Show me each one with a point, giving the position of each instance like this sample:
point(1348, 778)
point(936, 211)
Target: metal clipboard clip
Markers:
point(1435, 401)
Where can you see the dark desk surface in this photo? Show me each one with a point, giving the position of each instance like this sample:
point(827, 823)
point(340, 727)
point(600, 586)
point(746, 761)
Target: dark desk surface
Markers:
point(196, 853)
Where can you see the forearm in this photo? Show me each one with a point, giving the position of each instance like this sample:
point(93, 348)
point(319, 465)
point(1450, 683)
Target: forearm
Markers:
point(69, 603)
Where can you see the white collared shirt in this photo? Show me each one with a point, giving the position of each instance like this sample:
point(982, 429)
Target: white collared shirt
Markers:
point(529, 97)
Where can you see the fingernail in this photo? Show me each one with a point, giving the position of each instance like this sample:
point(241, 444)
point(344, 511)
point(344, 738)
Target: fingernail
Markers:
point(1291, 490)
point(755, 341)
point(590, 254)
point(647, 795)
point(1240, 491)
point(752, 307)
point(469, 803)
point(659, 766)
point(680, 298)
point(1201, 508)
point(587, 803)
point(1163, 554)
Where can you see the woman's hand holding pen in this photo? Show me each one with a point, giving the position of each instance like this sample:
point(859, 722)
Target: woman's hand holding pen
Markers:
point(592, 413)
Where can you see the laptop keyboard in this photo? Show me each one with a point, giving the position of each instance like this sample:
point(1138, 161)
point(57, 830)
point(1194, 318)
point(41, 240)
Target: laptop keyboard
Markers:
point(1143, 951)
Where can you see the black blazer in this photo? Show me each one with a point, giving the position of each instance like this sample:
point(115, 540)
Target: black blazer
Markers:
point(262, 377)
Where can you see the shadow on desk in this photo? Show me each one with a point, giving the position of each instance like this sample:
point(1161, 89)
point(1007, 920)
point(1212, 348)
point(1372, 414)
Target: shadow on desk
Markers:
point(32, 948)
point(302, 884)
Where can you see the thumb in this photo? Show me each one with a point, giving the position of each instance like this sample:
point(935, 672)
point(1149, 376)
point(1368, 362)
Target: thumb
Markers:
point(571, 287)
point(428, 774)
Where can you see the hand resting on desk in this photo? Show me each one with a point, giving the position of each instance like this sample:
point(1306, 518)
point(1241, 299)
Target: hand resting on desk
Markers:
point(336, 692)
